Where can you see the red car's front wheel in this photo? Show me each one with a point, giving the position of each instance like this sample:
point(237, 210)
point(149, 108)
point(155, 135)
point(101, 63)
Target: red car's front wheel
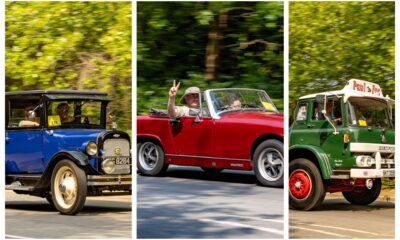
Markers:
point(150, 159)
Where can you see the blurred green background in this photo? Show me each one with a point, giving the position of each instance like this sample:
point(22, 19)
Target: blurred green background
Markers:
point(209, 45)
point(71, 45)
point(332, 42)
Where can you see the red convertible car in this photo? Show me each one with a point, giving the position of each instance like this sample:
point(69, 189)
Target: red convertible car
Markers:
point(233, 129)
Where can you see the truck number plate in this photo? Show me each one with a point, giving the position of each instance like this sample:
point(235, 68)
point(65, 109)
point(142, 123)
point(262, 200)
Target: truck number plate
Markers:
point(388, 173)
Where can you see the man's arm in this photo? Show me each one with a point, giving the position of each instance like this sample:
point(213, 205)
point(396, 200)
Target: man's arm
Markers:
point(171, 107)
point(171, 101)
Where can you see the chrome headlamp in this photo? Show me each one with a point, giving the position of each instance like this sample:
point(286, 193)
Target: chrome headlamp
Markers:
point(91, 148)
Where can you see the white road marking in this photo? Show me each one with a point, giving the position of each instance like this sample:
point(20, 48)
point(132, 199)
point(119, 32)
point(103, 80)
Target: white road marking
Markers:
point(320, 231)
point(16, 237)
point(254, 218)
point(270, 230)
point(339, 228)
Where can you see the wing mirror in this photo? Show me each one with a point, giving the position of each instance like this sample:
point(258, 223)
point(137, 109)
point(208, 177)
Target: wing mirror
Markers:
point(195, 112)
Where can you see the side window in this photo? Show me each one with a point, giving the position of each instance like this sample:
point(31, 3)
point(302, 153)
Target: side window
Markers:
point(24, 114)
point(301, 112)
point(204, 107)
point(333, 111)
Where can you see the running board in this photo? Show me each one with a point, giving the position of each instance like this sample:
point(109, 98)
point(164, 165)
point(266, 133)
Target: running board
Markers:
point(17, 186)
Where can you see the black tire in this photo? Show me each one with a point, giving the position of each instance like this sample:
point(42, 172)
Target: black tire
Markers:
point(68, 187)
point(364, 196)
point(49, 199)
point(150, 159)
point(306, 187)
point(212, 170)
point(268, 163)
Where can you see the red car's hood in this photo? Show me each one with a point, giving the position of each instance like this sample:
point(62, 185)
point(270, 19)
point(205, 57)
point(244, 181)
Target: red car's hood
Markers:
point(255, 115)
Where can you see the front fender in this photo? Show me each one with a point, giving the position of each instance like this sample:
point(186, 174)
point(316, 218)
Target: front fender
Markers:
point(320, 156)
point(79, 158)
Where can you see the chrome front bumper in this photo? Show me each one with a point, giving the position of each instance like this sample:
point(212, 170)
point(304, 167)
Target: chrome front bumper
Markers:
point(109, 180)
point(372, 173)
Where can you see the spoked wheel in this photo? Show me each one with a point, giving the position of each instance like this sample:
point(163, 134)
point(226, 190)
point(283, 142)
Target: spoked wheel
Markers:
point(363, 195)
point(150, 159)
point(268, 163)
point(306, 187)
point(68, 187)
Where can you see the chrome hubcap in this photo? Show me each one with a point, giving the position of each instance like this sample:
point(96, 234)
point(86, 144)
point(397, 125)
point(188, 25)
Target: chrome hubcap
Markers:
point(271, 164)
point(66, 187)
point(148, 155)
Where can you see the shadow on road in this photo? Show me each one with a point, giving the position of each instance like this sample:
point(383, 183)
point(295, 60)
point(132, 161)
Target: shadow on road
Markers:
point(342, 205)
point(104, 207)
point(227, 176)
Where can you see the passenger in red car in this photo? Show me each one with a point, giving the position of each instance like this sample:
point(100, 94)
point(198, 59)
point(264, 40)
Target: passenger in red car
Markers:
point(190, 100)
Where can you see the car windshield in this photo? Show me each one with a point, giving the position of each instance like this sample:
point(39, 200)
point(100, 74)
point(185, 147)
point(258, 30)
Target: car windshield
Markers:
point(368, 112)
point(74, 114)
point(226, 100)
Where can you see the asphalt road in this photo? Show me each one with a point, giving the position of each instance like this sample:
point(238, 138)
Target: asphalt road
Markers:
point(188, 203)
point(102, 217)
point(336, 218)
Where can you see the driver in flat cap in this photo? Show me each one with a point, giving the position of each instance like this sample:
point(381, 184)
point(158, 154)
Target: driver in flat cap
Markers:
point(190, 100)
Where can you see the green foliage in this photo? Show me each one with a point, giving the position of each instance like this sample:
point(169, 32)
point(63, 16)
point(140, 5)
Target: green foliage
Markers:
point(71, 45)
point(331, 42)
point(173, 39)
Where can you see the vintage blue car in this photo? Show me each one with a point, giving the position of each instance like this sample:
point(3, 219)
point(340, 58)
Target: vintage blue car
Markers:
point(57, 147)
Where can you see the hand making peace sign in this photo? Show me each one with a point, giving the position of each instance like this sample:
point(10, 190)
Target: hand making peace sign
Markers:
point(174, 89)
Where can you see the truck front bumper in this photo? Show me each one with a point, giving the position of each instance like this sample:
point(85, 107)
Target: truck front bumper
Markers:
point(372, 173)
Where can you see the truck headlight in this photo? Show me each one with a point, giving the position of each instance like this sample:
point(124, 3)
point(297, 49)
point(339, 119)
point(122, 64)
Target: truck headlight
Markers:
point(108, 166)
point(91, 148)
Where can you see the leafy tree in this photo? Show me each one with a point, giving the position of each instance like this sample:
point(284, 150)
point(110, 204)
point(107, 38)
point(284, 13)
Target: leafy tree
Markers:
point(71, 45)
point(332, 42)
point(208, 44)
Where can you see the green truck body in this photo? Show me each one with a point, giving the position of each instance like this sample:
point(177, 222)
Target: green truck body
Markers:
point(341, 141)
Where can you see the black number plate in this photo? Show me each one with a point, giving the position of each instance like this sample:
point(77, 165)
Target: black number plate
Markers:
point(120, 160)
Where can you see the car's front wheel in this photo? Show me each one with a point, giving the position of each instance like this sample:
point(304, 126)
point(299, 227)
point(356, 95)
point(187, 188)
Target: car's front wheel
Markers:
point(150, 159)
point(363, 195)
point(268, 163)
point(68, 187)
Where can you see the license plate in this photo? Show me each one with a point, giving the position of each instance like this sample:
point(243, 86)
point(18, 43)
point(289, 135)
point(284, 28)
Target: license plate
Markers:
point(388, 173)
point(120, 160)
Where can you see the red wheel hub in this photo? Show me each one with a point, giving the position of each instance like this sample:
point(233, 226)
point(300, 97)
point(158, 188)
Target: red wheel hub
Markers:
point(299, 184)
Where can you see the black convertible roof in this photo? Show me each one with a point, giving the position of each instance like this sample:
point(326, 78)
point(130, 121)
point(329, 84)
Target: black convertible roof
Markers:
point(60, 94)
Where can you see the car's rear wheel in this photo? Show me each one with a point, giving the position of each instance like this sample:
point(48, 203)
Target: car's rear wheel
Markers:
point(68, 187)
point(212, 170)
point(150, 159)
point(306, 187)
point(268, 163)
point(363, 195)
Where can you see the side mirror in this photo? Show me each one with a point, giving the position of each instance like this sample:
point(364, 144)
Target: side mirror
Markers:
point(31, 115)
point(194, 112)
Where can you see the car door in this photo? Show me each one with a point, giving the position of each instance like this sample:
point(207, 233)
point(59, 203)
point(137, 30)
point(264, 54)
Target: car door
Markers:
point(24, 137)
point(193, 138)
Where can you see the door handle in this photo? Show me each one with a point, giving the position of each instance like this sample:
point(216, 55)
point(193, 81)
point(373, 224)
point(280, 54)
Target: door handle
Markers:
point(8, 140)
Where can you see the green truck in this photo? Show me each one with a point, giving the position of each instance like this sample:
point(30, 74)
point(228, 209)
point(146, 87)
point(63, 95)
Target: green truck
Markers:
point(341, 141)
